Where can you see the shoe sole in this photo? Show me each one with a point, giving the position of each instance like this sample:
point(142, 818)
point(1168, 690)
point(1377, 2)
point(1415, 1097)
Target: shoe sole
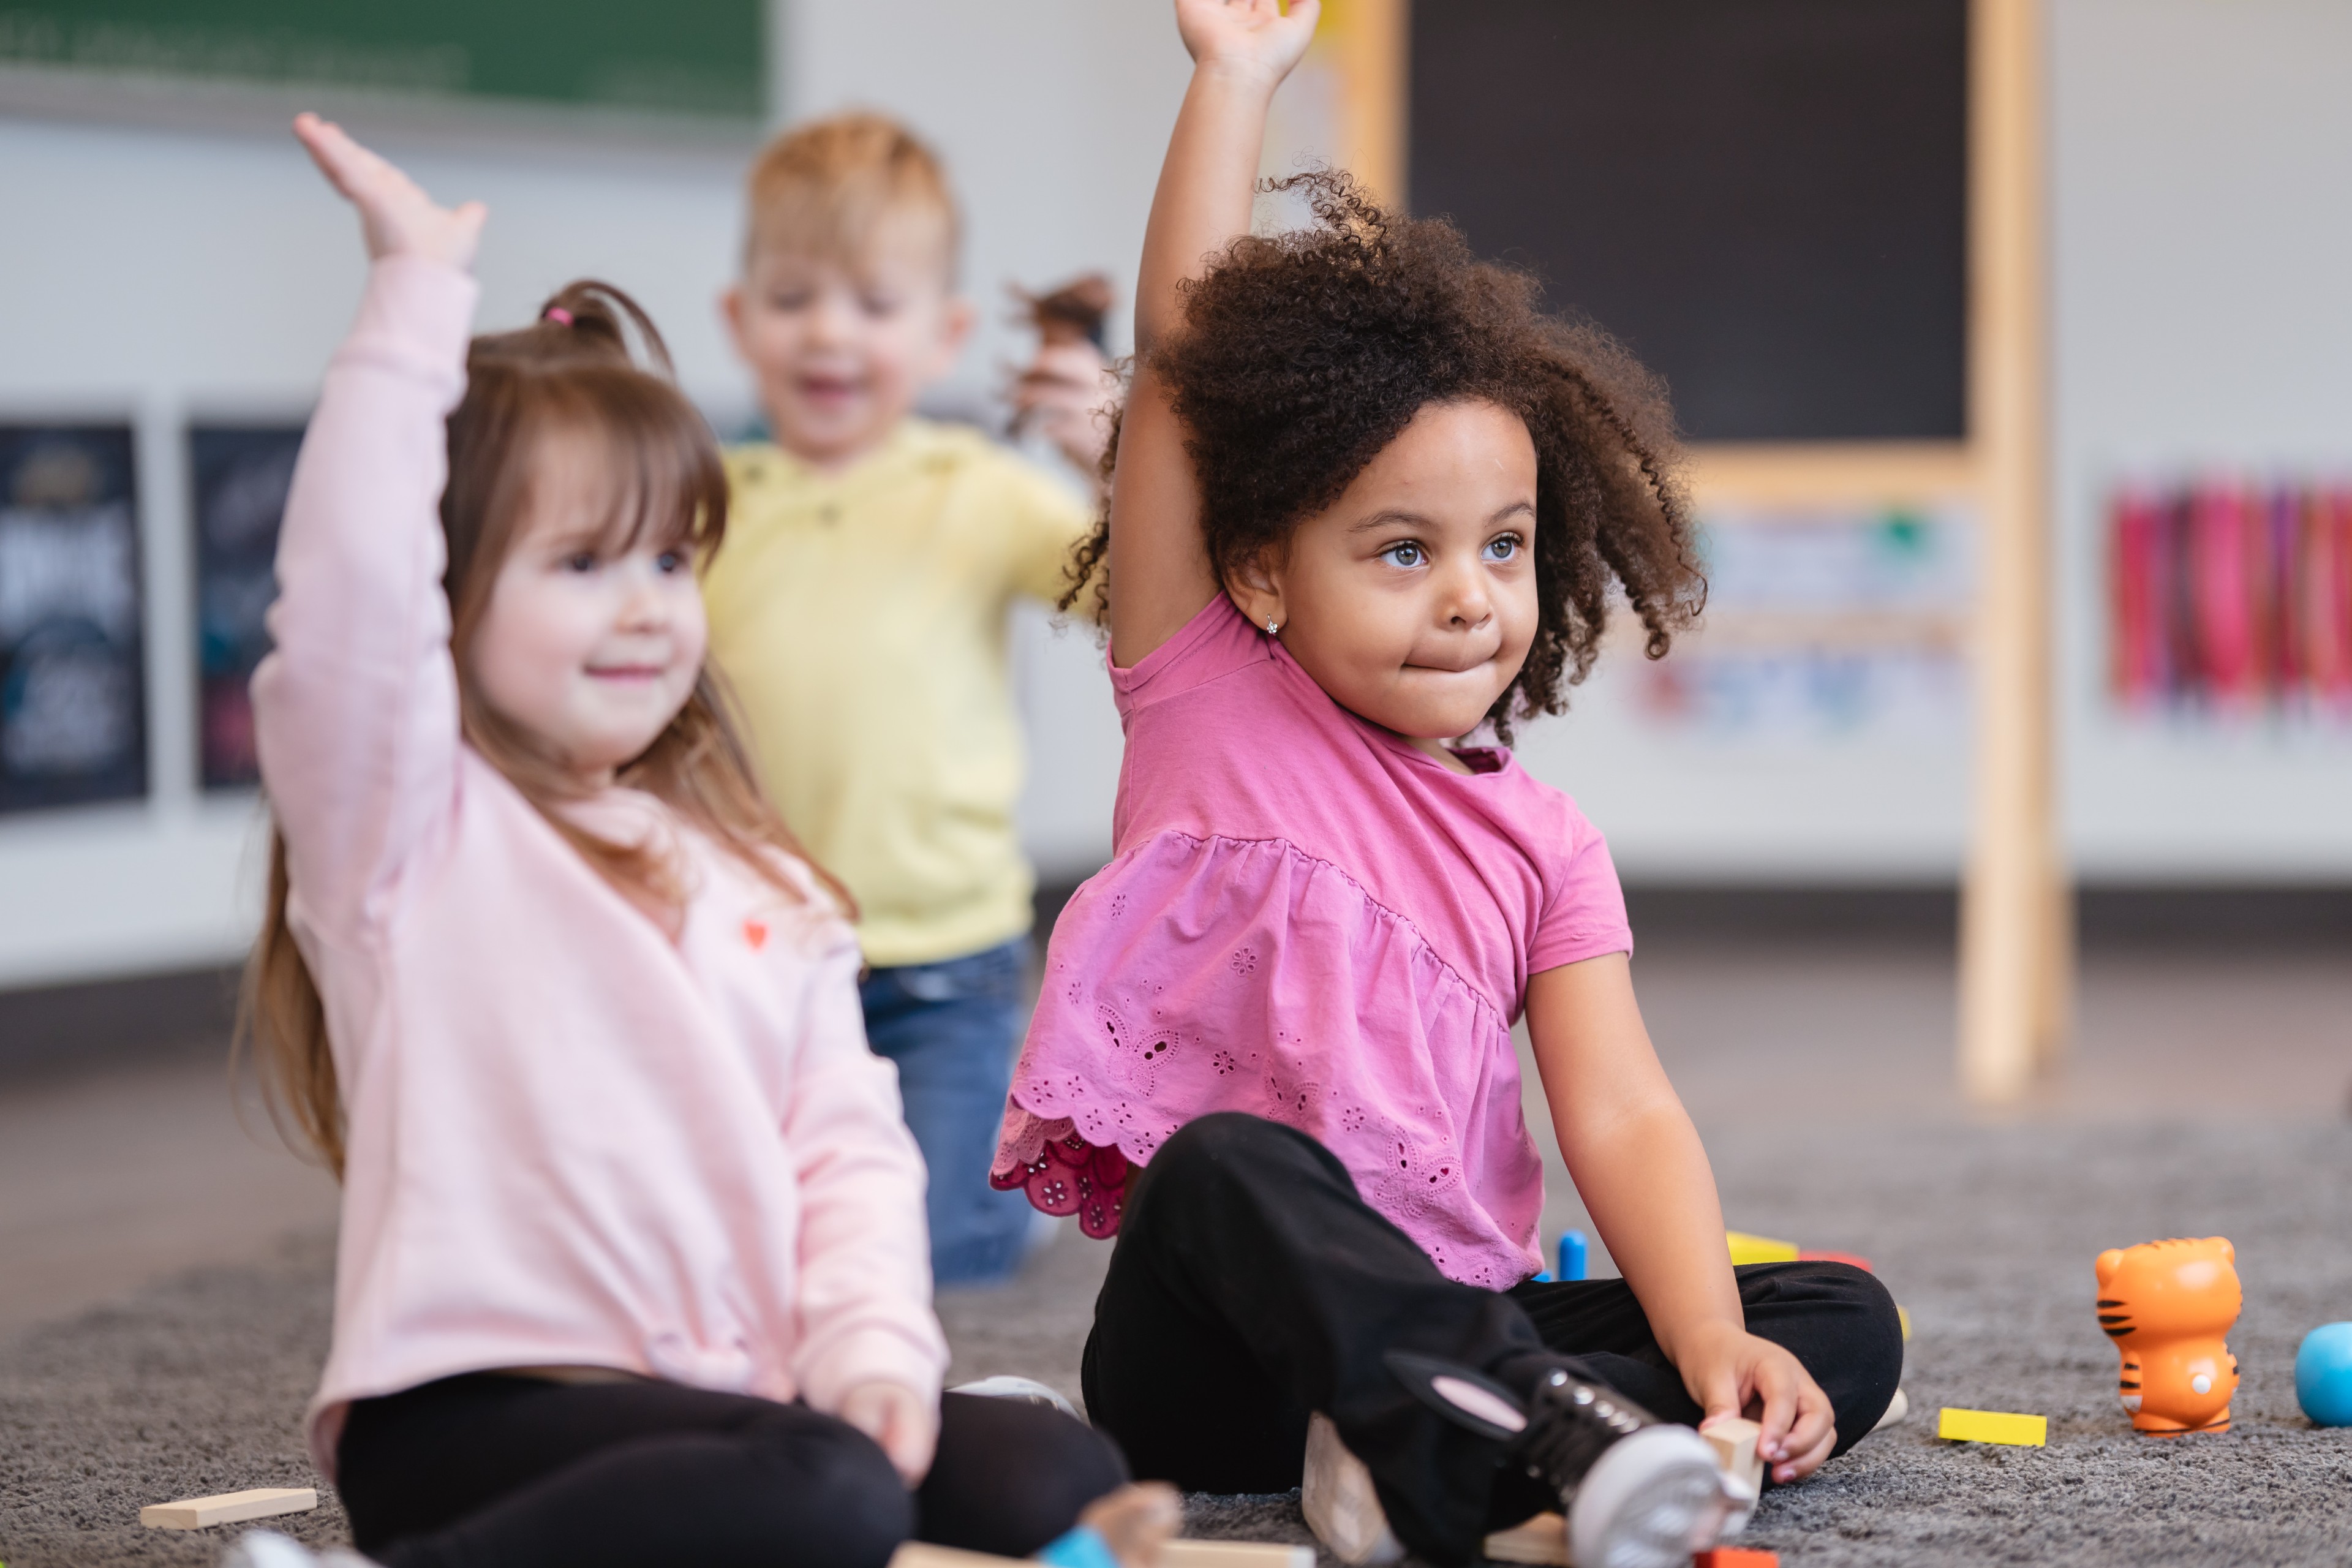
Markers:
point(1649, 1501)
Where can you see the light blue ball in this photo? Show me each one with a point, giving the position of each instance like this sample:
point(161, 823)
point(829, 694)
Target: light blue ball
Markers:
point(2322, 1375)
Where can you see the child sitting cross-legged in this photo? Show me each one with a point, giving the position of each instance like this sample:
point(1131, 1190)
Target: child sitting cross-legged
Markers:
point(632, 1267)
point(859, 610)
point(1368, 500)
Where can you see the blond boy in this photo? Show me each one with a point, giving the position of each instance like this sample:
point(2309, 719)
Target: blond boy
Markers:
point(859, 608)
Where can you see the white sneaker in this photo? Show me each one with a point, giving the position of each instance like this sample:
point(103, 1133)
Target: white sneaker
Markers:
point(267, 1549)
point(1650, 1501)
point(1028, 1388)
point(1342, 1508)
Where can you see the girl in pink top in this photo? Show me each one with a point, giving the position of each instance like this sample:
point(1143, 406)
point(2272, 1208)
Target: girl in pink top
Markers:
point(1367, 499)
point(632, 1266)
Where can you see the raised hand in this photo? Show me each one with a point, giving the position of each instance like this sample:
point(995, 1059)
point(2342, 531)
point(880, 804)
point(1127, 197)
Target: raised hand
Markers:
point(1252, 36)
point(396, 217)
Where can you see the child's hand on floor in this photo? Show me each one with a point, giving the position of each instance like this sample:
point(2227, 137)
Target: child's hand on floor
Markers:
point(903, 1422)
point(1733, 1373)
point(1252, 36)
point(396, 215)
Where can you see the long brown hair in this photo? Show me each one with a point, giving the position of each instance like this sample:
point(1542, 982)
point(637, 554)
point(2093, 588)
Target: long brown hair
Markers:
point(570, 373)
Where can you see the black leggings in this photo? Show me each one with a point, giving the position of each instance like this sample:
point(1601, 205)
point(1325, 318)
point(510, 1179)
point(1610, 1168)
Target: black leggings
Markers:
point(496, 1471)
point(1251, 1285)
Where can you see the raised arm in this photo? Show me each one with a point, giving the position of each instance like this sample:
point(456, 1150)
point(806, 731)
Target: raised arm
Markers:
point(1160, 573)
point(1643, 1175)
point(356, 707)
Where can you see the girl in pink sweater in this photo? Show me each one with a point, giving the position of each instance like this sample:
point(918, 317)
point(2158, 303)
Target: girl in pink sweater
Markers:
point(1369, 499)
point(633, 1265)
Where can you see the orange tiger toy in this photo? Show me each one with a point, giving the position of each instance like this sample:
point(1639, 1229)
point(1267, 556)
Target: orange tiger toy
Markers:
point(2166, 1305)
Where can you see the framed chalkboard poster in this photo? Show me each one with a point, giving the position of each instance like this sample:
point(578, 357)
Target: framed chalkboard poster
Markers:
point(1766, 200)
point(72, 658)
point(240, 475)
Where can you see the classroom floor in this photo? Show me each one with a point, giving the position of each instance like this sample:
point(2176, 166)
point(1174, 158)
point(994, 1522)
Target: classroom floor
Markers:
point(164, 1271)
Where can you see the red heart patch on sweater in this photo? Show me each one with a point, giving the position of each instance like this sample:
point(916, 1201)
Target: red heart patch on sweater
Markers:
point(756, 933)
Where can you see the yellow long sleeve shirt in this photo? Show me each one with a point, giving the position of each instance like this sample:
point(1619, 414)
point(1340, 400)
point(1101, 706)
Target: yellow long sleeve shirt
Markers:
point(861, 618)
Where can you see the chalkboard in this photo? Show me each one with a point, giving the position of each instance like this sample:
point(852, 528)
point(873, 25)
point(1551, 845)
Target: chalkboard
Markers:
point(1765, 199)
point(694, 57)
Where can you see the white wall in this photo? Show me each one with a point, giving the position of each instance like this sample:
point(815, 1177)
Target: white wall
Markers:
point(161, 275)
point(2203, 306)
point(157, 273)
point(2202, 154)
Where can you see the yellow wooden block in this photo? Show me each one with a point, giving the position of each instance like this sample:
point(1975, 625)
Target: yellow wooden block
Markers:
point(229, 1508)
point(1902, 1317)
point(1746, 1248)
point(1993, 1427)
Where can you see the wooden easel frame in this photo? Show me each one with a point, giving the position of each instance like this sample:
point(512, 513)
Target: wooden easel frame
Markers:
point(2016, 949)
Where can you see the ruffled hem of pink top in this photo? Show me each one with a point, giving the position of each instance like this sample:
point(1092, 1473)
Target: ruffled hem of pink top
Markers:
point(1060, 1172)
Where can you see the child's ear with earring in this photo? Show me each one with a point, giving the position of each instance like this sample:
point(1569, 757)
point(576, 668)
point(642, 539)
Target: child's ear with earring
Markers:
point(1258, 595)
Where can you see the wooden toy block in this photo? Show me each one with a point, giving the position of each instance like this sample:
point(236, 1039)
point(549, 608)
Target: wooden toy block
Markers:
point(229, 1508)
point(1993, 1427)
point(1734, 1439)
point(1541, 1541)
point(1735, 1557)
point(1235, 1554)
point(1746, 1248)
point(1854, 1258)
point(923, 1554)
point(1902, 1317)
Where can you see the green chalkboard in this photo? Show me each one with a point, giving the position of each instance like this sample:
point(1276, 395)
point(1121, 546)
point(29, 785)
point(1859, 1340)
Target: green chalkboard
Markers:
point(703, 57)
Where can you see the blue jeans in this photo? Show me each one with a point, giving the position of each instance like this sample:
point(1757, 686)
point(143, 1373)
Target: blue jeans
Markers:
point(952, 1028)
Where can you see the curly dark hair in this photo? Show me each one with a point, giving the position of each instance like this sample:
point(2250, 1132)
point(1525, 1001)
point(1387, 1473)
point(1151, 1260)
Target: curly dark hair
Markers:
point(1297, 358)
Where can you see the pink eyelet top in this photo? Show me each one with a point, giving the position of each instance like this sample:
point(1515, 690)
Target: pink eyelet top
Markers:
point(1310, 919)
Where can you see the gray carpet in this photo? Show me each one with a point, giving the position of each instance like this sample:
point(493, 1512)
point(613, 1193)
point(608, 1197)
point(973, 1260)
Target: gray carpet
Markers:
point(1985, 1234)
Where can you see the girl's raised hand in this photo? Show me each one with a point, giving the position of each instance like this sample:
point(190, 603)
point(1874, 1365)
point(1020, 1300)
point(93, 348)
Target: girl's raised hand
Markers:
point(396, 215)
point(1256, 36)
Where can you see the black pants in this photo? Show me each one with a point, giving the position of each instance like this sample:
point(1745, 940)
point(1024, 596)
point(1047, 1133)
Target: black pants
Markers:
point(1251, 1285)
point(496, 1471)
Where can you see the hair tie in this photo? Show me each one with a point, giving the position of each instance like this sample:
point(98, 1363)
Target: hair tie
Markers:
point(556, 313)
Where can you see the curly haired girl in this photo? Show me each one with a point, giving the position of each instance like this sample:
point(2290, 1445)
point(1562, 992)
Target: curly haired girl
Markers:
point(1367, 499)
point(632, 1266)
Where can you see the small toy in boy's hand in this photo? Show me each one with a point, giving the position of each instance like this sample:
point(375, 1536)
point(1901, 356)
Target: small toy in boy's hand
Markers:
point(2322, 1375)
point(1075, 311)
point(2166, 1305)
point(1064, 390)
